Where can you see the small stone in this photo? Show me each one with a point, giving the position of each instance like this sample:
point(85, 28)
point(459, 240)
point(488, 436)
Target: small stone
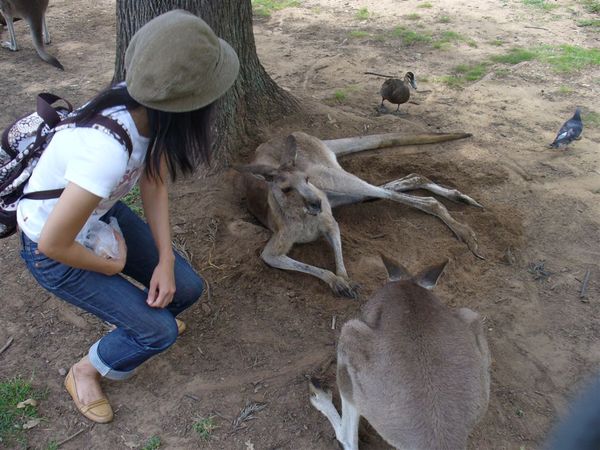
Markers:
point(206, 308)
point(62, 371)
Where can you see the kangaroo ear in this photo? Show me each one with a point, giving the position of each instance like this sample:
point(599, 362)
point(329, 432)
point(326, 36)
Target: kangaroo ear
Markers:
point(396, 272)
point(429, 277)
point(288, 157)
point(258, 170)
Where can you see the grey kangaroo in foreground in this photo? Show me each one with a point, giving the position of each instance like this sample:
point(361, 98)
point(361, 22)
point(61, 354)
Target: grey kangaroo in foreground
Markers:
point(34, 13)
point(292, 186)
point(417, 370)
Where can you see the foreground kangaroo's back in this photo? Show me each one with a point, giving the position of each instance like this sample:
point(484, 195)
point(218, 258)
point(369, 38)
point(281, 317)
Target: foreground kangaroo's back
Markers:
point(424, 385)
point(417, 370)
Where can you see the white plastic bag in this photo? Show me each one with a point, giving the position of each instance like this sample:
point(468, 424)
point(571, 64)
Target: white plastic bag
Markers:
point(99, 237)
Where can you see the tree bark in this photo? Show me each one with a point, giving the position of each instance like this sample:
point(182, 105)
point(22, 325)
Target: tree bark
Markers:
point(253, 100)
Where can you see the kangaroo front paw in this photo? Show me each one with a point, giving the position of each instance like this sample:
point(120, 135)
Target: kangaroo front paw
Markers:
point(318, 393)
point(344, 287)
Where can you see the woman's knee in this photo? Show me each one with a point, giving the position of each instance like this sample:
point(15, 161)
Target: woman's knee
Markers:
point(190, 290)
point(160, 334)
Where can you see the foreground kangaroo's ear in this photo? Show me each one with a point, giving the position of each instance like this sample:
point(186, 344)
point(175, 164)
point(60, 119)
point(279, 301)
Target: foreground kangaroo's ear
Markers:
point(429, 277)
point(288, 157)
point(396, 272)
point(259, 170)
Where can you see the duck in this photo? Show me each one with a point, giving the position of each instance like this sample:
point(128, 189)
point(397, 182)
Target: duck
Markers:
point(397, 91)
point(570, 131)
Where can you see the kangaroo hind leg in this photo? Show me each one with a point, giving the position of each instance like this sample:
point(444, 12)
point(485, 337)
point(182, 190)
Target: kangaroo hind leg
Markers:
point(415, 181)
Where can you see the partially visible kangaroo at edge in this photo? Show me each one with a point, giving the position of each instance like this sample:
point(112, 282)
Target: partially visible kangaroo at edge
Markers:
point(34, 13)
point(417, 370)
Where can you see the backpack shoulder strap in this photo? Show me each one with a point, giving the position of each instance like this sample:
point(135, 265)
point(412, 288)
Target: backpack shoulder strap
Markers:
point(106, 122)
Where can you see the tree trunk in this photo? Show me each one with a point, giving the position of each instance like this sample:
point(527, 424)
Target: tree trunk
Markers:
point(253, 100)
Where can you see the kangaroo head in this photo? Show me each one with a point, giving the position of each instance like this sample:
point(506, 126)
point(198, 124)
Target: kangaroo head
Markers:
point(427, 278)
point(289, 186)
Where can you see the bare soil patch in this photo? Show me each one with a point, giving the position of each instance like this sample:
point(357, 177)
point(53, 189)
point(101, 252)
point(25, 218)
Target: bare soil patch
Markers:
point(260, 330)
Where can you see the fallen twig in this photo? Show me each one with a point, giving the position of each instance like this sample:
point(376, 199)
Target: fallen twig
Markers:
point(333, 319)
point(73, 436)
point(537, 28)
point(247, 413)
point(584, 285)
point(10, 341)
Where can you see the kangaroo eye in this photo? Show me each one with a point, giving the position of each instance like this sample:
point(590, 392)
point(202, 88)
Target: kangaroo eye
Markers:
point(286, 190)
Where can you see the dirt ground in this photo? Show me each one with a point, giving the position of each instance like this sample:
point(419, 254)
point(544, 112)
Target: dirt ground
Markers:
point(261, 331)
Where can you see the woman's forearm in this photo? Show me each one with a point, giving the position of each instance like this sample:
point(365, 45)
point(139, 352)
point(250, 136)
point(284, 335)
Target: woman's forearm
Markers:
point(155, 201)
point(79, 257)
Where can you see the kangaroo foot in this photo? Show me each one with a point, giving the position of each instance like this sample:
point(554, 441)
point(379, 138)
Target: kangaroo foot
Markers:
point(344, 287)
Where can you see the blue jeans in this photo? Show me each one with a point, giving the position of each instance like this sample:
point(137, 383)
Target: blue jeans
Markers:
point(142, 331)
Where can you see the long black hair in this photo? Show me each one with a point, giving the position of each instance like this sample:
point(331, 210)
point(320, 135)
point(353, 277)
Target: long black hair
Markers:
point(184, 139)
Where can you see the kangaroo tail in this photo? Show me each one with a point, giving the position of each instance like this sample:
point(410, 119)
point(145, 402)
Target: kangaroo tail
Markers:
point(346, 146)
point(35, 24)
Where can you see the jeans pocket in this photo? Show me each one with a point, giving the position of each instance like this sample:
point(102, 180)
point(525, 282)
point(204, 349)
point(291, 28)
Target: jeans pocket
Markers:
point(48, 272)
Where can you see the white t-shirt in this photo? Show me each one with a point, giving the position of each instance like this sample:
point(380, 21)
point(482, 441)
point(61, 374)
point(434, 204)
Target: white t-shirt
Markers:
point(91, 159)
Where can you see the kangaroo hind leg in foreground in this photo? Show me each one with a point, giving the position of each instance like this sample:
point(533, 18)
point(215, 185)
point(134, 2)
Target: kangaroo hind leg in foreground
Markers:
point(417, 370)
point(34, 13)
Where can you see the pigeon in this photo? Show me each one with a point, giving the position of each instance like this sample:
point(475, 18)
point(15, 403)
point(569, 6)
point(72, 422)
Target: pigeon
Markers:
point(570, 131)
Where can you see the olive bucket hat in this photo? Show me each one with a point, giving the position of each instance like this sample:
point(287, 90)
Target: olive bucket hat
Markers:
point(176, 63)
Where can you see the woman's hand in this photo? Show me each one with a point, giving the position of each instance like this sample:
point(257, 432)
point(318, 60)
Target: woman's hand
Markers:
point(162, 285)
point(118, 264)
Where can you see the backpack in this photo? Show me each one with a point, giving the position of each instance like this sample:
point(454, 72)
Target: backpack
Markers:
point(22, 144)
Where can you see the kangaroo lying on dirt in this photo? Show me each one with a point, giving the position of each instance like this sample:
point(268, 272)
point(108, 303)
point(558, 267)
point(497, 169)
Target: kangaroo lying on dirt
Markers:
point(291, 188)
point(34, 13)
point(417, 370)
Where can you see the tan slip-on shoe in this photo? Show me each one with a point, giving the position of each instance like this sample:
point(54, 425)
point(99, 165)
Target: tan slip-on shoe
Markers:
point(181, 327)
point(98, 411)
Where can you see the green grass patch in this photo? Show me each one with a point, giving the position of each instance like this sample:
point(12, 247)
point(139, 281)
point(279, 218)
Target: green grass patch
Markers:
point(593, 23)
point(443, 19)
point(153, 443)
point(592, 6)
point(591, 118)
point(340, 96)
point(362, 14)
point(452, 81)
point(448, 37)
point(542, 4)
point(265, 8)
point(410, 37)
point(564, 58)
point(413, 16)
point(464, 73)
point(569, 58)
point(12, 418)
point(496, 42)
point(471, 72)
point(515, 56)
point(501, 73)
point(359, 34)
point(425, 5)
point(565, 90)
point(134, 200)
point(205, 427)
